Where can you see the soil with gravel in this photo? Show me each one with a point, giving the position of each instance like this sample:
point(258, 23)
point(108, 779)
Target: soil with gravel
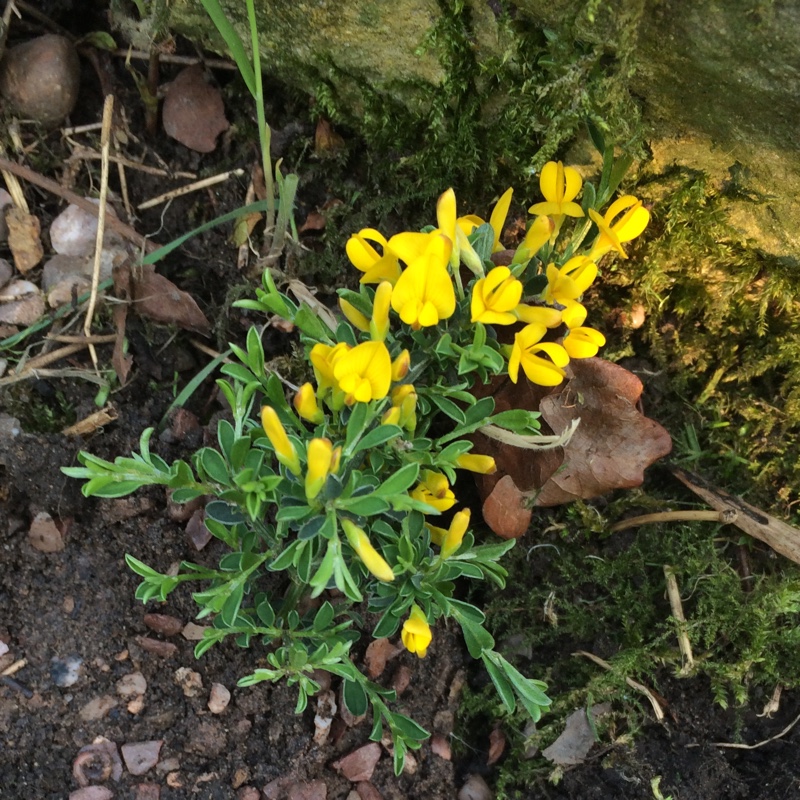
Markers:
point(95, 666)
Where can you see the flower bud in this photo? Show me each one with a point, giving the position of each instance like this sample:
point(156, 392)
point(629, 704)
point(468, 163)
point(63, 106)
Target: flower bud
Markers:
point(353, 315)
point(379, 324)
point(400, 366)
point(369, 556)
point(284, 449)
point(320, 458)
point(484, 465)
point(305, 403)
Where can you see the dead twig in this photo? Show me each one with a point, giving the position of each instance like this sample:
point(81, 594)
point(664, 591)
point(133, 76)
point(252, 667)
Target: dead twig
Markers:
point(117, 225)
point(170, 58)
point(66, 338)
point(105, 145)
point(738, 746)
point(639, 687)
point(191, 187)
point(84, 153)
point(677, 612)
point(724, 517)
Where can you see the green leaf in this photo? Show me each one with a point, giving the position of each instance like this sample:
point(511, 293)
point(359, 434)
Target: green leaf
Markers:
point(224, 513)
point(377, 436)
point(324, 617)
point(501, 684)
point(482, 241)
point(234, 42)
point(99, 40)
point(291, 513)
point(213, 464)
point(596, 135)
point(266, 613)
point(311, 325)
point(355, 424)
point(231, 607)
point(448, 407)
point(287, 556)
point(400, 482)
point(355, 698)
point(480, 411)
point(366, 506)
point(410, 729)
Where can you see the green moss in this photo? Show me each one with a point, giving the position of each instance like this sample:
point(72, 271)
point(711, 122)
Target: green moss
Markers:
point(575, 590)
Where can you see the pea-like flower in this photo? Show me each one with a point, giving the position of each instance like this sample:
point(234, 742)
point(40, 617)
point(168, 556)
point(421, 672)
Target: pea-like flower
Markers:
point(541, 371)
point(416, 633)
point(434, 489)
point(450, 539)
point(569, 282)
point(369, 556)
point(495, 297)
point(364, 257)
point(538, 234)
point(364, 373)
point(276, 433)
point(560, 186)
point(354, 316)
point(323, 357)
point(306, 406)
point(320, 457)
point(474, 462)
point(580, 342)
point(401, 365)
point(625, 219)
point(497, 220)
point(379, 324)
point(424, 294)
point(404, 399)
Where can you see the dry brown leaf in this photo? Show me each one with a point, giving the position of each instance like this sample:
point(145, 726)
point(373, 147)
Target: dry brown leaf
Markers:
point(610, 449)
point(575, 742)
point(781, 537)
point(327, 142)
point(193, 112)
point(379, 652)
point(314, 222)
point(24, 231)
point(159, 299)
point(497, 745)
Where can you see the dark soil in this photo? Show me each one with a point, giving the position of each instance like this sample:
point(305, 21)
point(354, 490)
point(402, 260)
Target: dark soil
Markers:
point(79, 603)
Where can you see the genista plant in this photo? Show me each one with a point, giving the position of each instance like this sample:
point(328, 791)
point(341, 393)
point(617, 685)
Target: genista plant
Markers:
point(330, 501)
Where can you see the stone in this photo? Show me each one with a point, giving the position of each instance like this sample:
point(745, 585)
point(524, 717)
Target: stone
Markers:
point(163, 624)
point(360, 764)
point(40, 79)
point(140, 757)
point(219, 698)
point(190, 681)
point(97, 708)
point(131, 685)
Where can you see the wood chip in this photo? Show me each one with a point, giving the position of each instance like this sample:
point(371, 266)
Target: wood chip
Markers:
point(24, 232)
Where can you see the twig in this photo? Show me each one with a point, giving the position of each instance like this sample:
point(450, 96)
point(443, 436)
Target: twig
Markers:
point(67, 372)
point(737, 746)
point(639, 687)
point(168, 58)
point(117, 225)
point(725, 517)
point(16, 685)
point(5, 23)
point(677, 611)
point(49, 358)
point(97, 338)
point(80, 152)
point(13, 669)
point(105, 145)
point(191, 187)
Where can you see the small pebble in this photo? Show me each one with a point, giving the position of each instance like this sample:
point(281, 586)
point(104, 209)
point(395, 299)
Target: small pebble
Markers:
point(147, 791)
point(174, 780)
point(136, 705)
point(360, 764)
point(6, 270)
point(248, 793)
point(131, 685)
point(219, 698)
point(366, 791)
point(440, 746)
point(190, 681)
point(168, 765)
point(163, 624)
point(74, 231)
point(92, 793)
point(475, 788)
point(44, 535)
point(97, 708)
point(193, 632)
point(196, 530)
point(163, 649)
point(240, 777)
point(141, 756)
point(65, 672)
point(308, 790)
point(40, 79)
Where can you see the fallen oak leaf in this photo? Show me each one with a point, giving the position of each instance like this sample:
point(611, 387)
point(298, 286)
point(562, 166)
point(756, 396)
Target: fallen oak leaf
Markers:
point(159, 299)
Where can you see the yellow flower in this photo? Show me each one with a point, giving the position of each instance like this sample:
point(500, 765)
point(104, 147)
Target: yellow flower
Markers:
point(376, 267)
point(424, 293)
point(320, 460)
point(543, 315)
point(498, 218)
point(450, 540)
point(580, 342)
point(541, 371)
point(447, 218)
point(401, 366)
point(353, 315)
point(416, 634)
point(404, 398)
point(369, 556)
point(323, 357)
point(613, 232)
point(434, 490)
point(284, 449)
point(379, 324)
point(364, 373)
point(495, 297)
point(538, 234)
point(475, 462)
point(305, 403)
point(569, 282)
point(560, 186)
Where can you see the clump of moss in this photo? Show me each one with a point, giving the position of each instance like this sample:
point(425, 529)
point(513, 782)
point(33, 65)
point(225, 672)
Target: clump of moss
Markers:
point(573, 589)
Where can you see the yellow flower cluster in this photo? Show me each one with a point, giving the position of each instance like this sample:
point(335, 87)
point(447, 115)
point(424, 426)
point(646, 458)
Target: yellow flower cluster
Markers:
point(418, 274)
